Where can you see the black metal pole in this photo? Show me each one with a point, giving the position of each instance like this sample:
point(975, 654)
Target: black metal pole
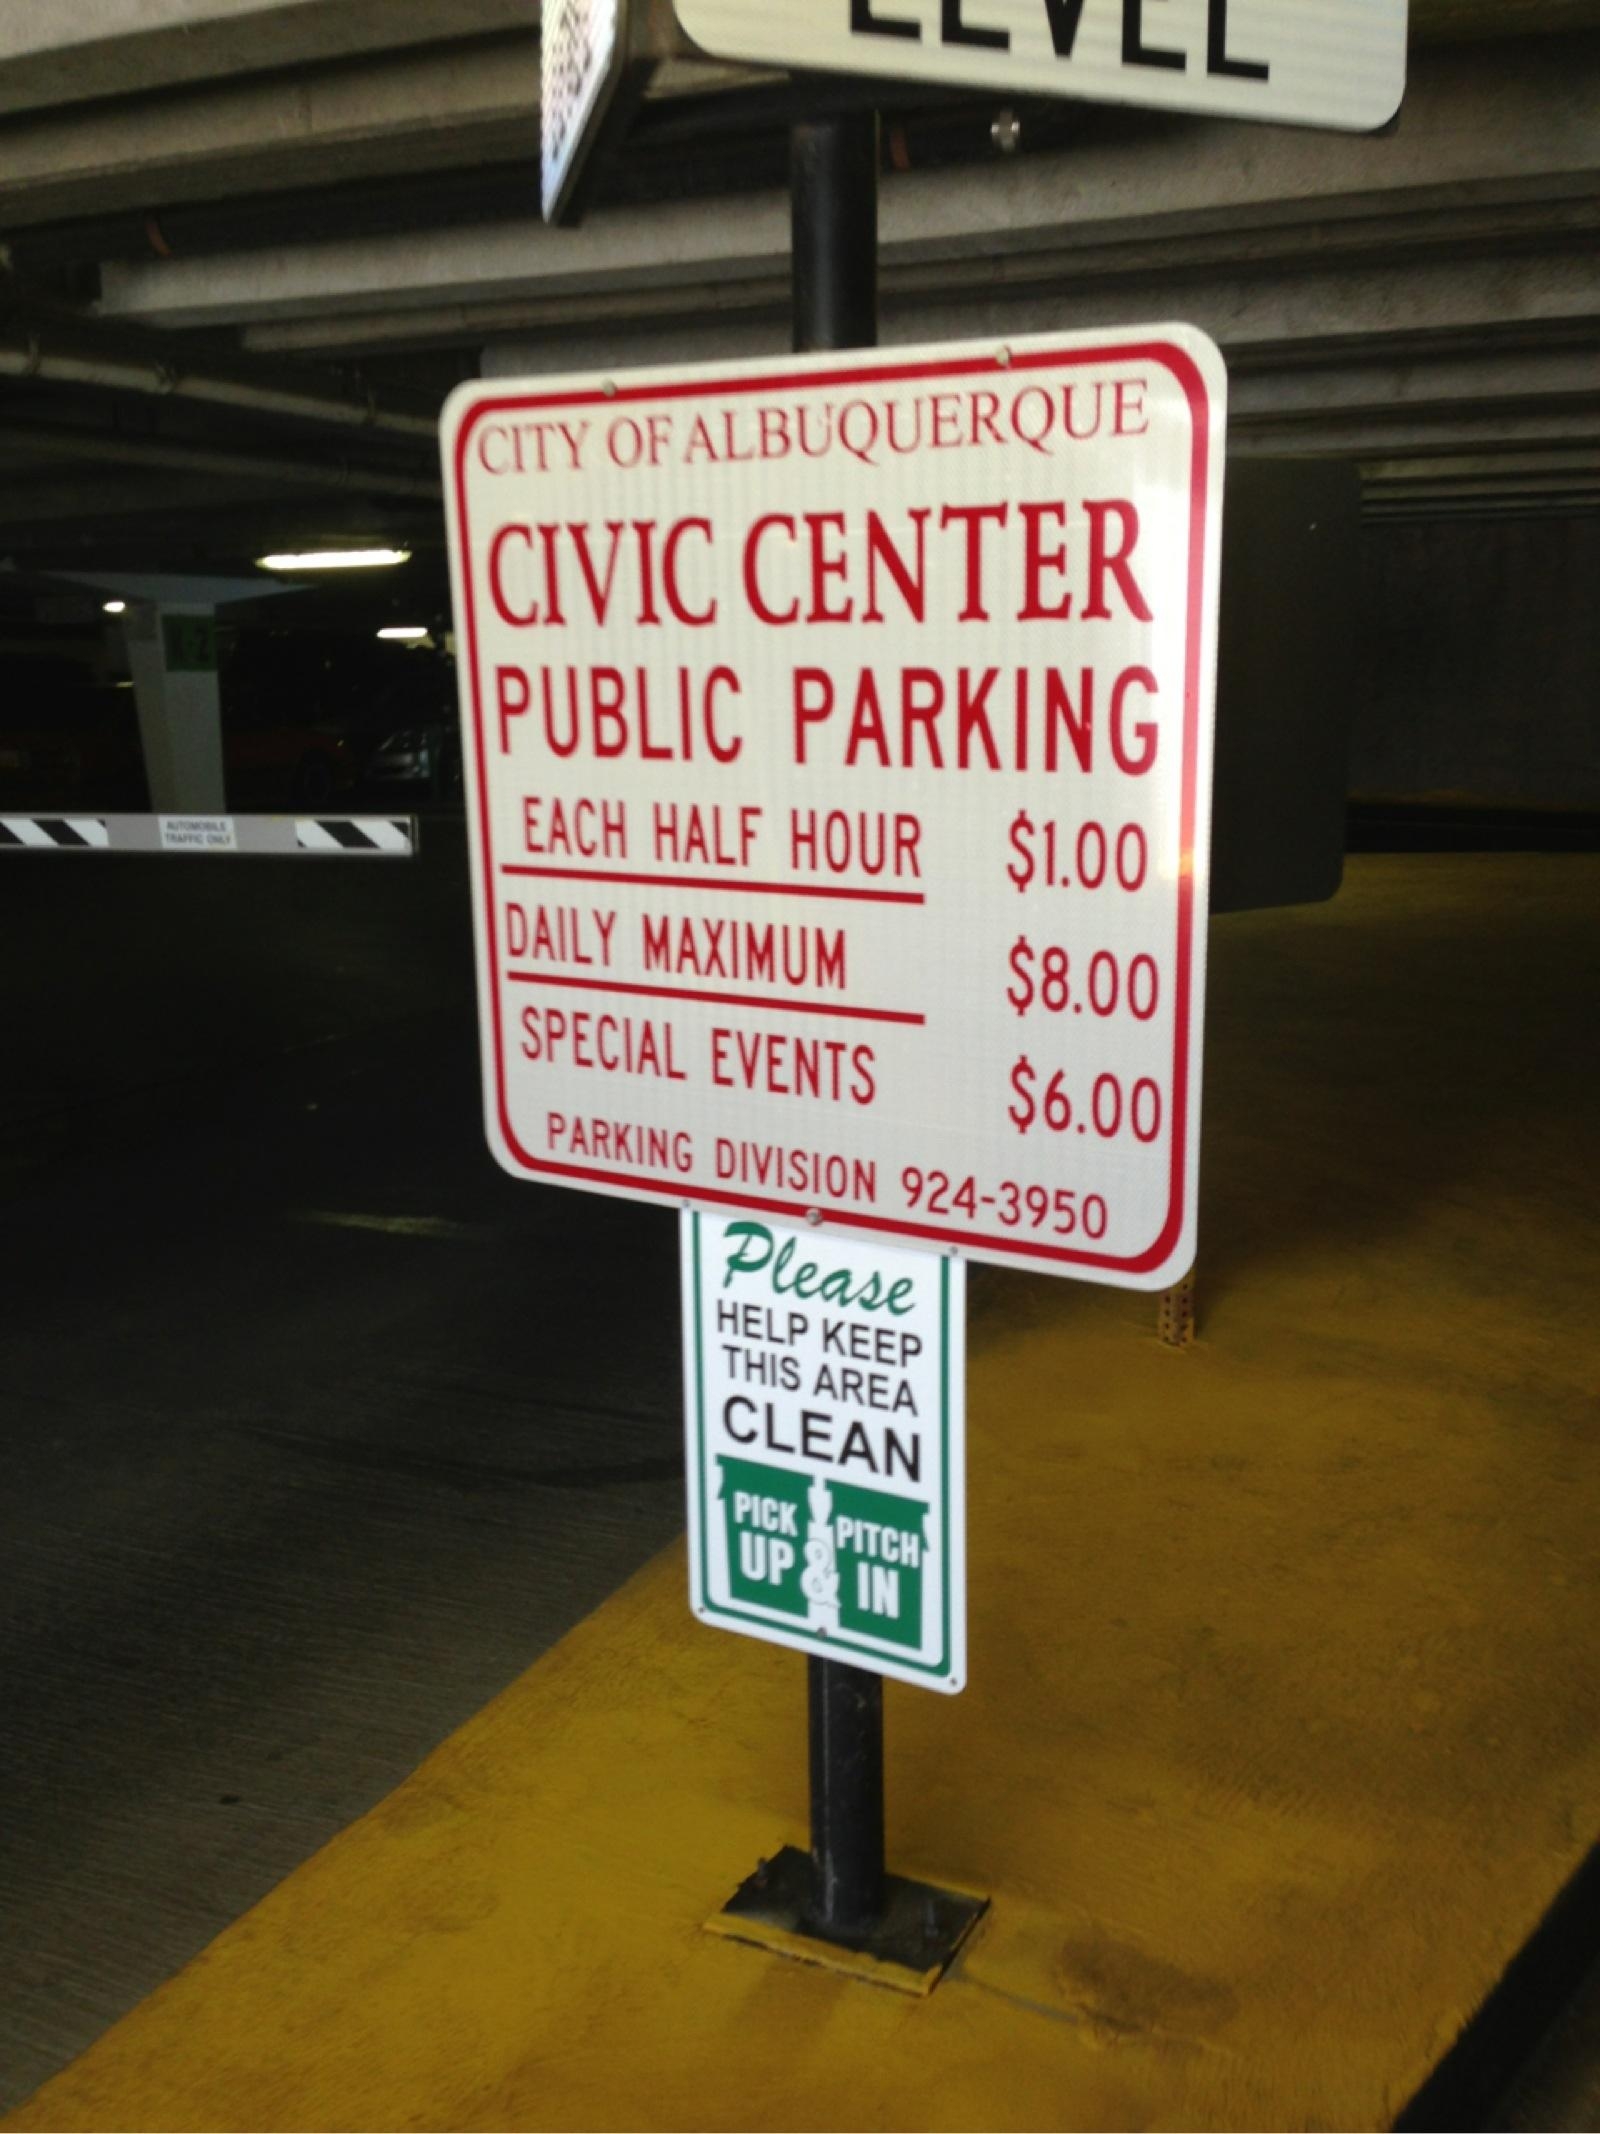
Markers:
point(846, 1796)
point(833, 193)
point(833, 173)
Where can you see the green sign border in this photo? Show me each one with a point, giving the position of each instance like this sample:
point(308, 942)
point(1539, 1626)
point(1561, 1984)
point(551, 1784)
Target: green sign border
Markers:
point(829, 1647)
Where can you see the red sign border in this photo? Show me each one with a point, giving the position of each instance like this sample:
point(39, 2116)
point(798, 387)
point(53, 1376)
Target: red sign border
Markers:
point(1187, 373)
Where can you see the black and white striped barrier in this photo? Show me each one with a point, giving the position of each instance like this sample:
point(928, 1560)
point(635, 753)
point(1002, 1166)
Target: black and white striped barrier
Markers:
point(384, 837)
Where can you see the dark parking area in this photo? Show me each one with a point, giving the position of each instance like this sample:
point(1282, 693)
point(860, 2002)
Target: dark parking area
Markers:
point(314, 1429)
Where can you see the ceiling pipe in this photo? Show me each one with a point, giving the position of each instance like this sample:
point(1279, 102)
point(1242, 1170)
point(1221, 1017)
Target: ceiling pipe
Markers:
point(56, 345)
point(178, 456)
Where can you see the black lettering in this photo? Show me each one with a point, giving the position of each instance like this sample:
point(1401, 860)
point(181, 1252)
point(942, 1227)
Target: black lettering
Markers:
point(737, 1400)
point(1217, 60)
point(864, 23)
point(954, 31)
point(1135, 52)
point(1065, 15)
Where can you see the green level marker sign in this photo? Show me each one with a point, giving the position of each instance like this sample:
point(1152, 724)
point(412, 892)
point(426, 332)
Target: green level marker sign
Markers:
point(826, 1409)
point(189, 643)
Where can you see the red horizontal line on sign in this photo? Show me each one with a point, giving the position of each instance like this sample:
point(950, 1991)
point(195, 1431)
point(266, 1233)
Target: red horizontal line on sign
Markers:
point(720, 1000)
point(694, 881)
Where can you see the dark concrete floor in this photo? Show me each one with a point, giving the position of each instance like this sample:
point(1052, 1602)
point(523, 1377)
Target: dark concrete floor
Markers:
point(311, 1437)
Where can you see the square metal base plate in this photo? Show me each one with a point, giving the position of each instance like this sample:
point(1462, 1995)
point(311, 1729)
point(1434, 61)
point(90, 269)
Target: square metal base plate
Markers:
point(908, 1950)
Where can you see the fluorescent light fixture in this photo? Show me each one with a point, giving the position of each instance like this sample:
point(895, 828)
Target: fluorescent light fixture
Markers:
point(404, 633)
point(336, 559)
point(115, 607)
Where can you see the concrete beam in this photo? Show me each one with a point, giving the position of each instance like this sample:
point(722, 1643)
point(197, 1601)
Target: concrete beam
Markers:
point(1410, 300)
point(59, 54)
point(1523, 124)
point(295, 468)
point(27, 508)
point(436, 109)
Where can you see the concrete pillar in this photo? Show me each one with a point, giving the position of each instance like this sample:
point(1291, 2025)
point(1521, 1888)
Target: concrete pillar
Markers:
point(172, 656)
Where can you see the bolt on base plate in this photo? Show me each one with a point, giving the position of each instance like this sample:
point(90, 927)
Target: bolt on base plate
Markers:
point(909, 1948)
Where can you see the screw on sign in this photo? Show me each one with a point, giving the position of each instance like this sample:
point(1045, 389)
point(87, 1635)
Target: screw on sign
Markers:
point(839, 736)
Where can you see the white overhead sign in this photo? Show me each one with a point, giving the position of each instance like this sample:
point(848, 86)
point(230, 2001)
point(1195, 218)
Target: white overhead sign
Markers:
point(838, 735)
point(825, 1406)
point(1339, 63)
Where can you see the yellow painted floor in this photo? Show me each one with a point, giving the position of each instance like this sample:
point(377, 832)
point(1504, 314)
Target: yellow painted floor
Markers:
point(1284, 1723)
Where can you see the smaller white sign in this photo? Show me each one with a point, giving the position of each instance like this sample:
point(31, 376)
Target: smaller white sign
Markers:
point(825, 1384)
point(198, 833)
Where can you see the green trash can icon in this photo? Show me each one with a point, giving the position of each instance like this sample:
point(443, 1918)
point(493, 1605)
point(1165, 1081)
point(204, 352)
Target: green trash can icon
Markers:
point(764, 1518)
point(881, 1550)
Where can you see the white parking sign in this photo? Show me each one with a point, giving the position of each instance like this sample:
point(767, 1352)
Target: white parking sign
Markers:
point(839, 745)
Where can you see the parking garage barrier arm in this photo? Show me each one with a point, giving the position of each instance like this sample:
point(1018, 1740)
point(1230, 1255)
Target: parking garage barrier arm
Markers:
point(255, 836)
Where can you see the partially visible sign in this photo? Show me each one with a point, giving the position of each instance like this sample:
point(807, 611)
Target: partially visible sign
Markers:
point(825, 1404)
point(593, 61)
point(1338, 63)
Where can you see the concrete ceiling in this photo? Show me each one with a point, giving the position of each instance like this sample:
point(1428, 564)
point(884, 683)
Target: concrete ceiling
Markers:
point(260, 205)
